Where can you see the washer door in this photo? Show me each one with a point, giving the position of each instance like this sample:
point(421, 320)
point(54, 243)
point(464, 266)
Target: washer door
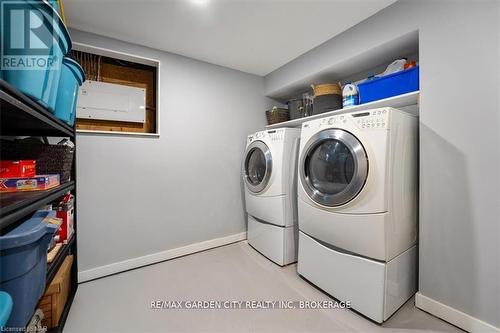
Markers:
point(333, 167)
point(257, 166)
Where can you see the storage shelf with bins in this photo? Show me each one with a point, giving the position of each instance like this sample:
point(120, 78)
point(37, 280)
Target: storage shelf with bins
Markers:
point(357, 64)
point(407, 101)
point(21, 116)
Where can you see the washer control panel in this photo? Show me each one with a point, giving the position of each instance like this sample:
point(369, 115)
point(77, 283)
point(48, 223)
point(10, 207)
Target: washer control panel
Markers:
point(372, 119)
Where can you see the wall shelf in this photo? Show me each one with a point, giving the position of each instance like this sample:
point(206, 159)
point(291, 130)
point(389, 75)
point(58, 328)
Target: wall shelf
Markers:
point(401, 101)
point(346, 64)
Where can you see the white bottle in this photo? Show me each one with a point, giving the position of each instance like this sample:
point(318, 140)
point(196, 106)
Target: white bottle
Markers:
point(396, 66)
point(350, 95)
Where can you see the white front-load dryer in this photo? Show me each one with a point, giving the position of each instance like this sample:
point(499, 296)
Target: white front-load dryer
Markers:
point(357, 207)
point(269, 173)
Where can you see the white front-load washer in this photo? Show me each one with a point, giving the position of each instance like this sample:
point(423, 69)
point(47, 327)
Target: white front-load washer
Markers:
point(269, 173)
point(357, 208)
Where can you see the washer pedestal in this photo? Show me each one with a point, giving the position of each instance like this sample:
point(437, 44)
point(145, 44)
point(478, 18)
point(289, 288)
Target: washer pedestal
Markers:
point(376, 289)
point(276, 243)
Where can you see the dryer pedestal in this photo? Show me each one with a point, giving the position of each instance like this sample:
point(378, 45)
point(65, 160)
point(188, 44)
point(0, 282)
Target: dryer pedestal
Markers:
point(277, 243)
point(376, 289)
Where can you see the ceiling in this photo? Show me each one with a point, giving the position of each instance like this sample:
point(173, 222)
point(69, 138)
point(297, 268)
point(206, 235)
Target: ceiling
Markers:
point(254, 36)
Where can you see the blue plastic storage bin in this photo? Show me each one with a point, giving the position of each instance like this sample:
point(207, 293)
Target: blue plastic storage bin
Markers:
point(55, 5)
point(72, 77)
point(39, 81)
point(5, 308)
point(390, 85)
point(24, 265)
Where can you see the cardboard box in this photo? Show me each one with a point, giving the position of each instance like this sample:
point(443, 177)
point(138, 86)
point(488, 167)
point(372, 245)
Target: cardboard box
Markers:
point(65, 211)
point(22, 168)
point(56, 295)
point(37, 183)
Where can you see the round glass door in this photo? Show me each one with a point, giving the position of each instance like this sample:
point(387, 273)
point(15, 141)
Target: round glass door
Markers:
point(334, 167)
point(257, 166)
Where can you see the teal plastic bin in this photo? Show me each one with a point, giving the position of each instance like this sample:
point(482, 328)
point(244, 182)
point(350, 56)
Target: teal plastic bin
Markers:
point(32, 58)
point(24, 265)
point(5, 308)
point(72, 77)
point(55, 5)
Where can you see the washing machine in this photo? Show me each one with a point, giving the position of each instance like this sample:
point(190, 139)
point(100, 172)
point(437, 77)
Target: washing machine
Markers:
point(269, 173)
point(357, 208)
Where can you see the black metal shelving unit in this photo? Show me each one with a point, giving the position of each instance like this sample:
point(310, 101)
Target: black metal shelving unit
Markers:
point(14, 206)
point(21, 116)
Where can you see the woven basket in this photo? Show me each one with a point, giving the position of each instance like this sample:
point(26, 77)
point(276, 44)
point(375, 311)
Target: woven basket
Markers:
point(50, 159)
point(326, 89)
point(277, 115)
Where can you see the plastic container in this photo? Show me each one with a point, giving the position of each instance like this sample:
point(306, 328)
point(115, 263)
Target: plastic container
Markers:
point(55, 5)
point(350, 95)
point(296, 108)
point(327, 97)
point(72, 77)
point(326, 103)
point(5, 308)
point(39, 81)
point(24, 265)
point(390, 85)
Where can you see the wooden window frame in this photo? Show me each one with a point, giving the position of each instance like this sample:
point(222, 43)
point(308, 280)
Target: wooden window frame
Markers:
point(126, 57)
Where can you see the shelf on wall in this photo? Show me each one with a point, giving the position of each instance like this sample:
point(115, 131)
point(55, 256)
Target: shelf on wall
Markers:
point(16, 205)
point(20, 115)
point(343, 66)
point(401, 101)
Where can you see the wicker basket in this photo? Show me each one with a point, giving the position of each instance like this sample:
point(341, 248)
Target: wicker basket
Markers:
point(326, 89)
point(50, 159)
point(277, 115)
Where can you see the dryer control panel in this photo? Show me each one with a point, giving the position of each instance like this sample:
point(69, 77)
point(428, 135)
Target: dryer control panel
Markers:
point(276, 135)
point(273, 135)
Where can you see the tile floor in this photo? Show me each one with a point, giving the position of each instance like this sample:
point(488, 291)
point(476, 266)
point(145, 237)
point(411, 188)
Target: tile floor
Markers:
point(122, 303)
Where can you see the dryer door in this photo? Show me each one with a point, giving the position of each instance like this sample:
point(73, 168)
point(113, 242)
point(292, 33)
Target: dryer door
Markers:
point(333, 167)
point(257, 166)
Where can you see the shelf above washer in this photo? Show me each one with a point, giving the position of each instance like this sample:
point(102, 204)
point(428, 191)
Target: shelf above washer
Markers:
point(397, 102)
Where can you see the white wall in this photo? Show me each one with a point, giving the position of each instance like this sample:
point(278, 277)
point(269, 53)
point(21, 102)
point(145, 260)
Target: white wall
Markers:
point(139, 196)
point(460, 143)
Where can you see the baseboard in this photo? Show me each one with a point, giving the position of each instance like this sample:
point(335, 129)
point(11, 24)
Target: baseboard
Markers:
point(453, 316)
point(149, 259)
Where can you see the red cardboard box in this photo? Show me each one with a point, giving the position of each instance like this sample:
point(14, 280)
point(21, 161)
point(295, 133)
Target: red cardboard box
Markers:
point(65, 211)
point(17, 169)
